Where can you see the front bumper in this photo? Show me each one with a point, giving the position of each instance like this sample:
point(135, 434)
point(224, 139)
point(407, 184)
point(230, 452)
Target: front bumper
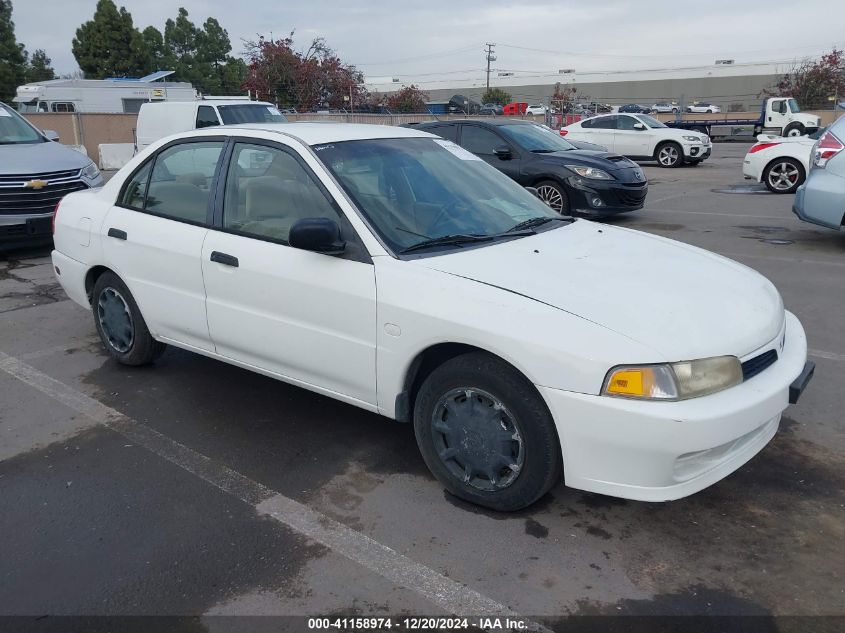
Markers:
point(696, 151)
point(600, 198)
point(659, 451)
point(25, 230)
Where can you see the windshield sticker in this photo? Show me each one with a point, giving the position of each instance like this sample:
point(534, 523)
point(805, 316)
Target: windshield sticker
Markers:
point(3, 112)
point(458, 151)
point(273, 110)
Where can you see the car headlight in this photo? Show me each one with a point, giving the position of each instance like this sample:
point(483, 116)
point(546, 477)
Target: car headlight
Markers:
point(91, 172)
point(590, 172)
point(693, 139)
point(673, 381)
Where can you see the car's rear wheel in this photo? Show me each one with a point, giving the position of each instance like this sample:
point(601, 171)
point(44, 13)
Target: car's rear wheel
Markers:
point(674, 110)
point(119, 323)
point(553, 195)
point(669, 155)
point(486, 434)
point(784, 175)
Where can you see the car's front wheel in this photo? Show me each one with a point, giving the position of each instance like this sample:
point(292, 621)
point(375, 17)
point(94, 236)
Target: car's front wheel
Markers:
point(119, 323)
point(553, 195)
point(669, 155)
point(783, 176)
point(486, 434)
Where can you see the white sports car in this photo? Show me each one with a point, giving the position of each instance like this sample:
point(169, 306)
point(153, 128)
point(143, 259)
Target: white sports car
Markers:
point(781, 163)
point(397, 272)
point(708, 108)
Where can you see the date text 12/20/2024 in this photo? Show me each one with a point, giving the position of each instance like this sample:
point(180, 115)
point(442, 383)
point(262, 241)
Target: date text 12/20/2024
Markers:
point(407, 623)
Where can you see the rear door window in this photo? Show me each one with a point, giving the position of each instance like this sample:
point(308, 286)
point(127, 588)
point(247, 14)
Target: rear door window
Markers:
point(206, 117)
point(449, 132)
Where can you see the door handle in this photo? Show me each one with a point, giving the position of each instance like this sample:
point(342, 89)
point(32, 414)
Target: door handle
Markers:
point(117, 234)
point(223, 258)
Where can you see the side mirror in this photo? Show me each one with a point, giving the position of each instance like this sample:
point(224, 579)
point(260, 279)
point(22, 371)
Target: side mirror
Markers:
point(503, 152)
point(639, 126)
point(321, 235)
point(51, 135)
point(534, 191)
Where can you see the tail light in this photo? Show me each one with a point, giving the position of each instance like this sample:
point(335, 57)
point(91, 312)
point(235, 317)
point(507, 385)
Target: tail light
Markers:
point(55, 214)
point(564, 132)
point(828, 147)
point(761, 146)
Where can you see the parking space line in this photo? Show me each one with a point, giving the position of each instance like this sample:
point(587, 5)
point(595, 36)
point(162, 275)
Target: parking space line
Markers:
point(449, 595)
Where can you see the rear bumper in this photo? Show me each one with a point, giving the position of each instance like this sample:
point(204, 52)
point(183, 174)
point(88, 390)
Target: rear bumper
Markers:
point(821, 199)
point(70, 274)
point(659, 451)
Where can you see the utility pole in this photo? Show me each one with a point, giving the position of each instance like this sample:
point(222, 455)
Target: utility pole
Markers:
point(490, 58)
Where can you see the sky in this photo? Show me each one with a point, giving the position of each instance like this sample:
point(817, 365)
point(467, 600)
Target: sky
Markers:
point(422, 41)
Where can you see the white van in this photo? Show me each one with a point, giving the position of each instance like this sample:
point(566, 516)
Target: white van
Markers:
point(157, 120)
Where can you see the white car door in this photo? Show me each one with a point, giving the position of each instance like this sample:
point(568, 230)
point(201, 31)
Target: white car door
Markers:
point(306, 316)
point(630, 141)
point(600, 130)
point(153, 238)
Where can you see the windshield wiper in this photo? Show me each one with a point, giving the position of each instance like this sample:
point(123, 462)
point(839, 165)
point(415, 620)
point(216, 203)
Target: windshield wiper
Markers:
point(530, 223)
point(445, 240)
point(544, 151)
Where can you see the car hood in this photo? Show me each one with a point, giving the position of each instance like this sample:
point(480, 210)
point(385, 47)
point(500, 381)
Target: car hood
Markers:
point(681, 301)
point(590, 158)
point(39, 158)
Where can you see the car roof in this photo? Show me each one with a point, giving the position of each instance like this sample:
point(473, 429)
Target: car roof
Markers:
point(317, 132)
point(493, 123)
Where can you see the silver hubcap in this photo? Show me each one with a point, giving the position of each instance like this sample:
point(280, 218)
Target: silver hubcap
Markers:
point(667, 155)
point(551, 197)
point(115, 320)
point(477, 439)
point(783, 176)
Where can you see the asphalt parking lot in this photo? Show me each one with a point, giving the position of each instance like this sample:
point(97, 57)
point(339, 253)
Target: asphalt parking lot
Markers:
point(196, 488)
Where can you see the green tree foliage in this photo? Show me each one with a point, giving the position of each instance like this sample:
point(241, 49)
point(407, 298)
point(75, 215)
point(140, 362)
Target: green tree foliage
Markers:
point(109, 45)
point(39, 68)
point(496, 95)
point(12, 55)
point(157, 56)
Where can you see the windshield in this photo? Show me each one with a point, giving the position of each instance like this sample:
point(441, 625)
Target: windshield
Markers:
point(250, 113)
point(15, 130)
point(651, 121)
point(415, 189)
point(535, 138)
point(793, 106)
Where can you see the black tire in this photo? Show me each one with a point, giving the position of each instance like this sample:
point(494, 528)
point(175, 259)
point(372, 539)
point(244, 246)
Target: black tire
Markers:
point(783, 175)
point(669, 154)
point(794, 129)
point(554, 195)
point(674, 110)
point(124, 334)
point(473, 385)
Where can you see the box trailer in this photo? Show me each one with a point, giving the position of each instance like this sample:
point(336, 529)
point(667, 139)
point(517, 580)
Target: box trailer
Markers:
point(101, 95)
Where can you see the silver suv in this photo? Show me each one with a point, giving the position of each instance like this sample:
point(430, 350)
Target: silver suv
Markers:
point(35, 173)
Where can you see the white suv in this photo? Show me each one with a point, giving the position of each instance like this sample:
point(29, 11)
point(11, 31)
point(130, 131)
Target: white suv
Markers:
point(641, 137)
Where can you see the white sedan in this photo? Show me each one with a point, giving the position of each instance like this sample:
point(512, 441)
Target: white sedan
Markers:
point(781, 163)
point(641, 137)
point(394, 271)
point(536, 109)
point(708, 108)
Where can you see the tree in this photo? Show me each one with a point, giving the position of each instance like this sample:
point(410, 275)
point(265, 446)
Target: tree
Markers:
point(564, 98)
point(12, 55)
point(304, 80)
point(408, 99)
point(109, 45)
point(39, 68)
point(496, 95)
point(157, 58)
point(813, 83)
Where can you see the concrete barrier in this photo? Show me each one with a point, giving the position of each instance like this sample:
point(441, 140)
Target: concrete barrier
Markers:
point(115, 155)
